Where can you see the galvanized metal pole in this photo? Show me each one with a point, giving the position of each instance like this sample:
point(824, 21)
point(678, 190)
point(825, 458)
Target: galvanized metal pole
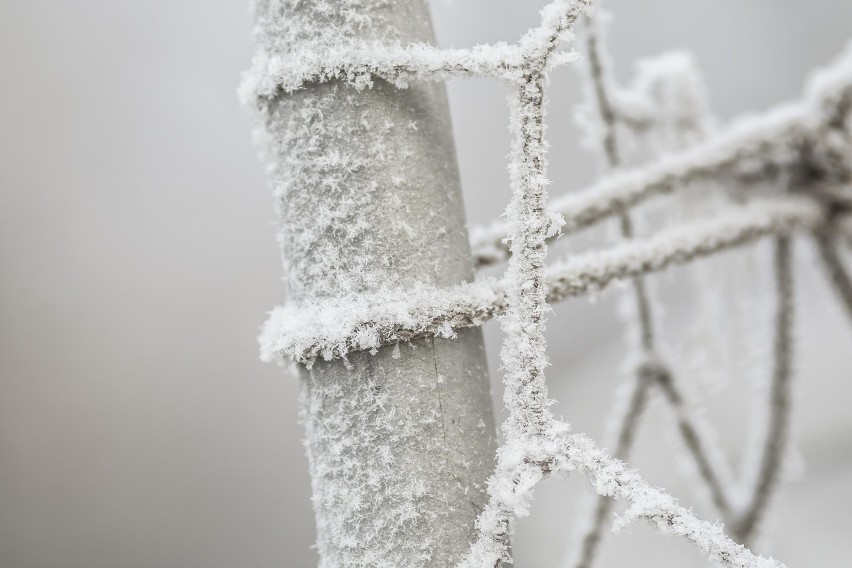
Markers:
point(400, 443)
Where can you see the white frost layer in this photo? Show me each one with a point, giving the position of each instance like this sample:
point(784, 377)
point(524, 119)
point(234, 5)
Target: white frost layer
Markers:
point(612, 478)
point(334, 327)
point(358, 63)
point(364, 322)
point(559, 451)
point(772, 142)
point(592, 271)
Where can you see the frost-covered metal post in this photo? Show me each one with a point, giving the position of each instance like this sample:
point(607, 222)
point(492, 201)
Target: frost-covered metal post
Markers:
point(400, 442)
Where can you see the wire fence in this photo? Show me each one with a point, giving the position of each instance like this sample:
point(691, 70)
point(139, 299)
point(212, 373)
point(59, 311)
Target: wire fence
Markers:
point(804, 150)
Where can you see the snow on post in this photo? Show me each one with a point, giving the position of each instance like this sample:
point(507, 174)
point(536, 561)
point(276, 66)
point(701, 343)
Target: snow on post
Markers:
point(400, 443)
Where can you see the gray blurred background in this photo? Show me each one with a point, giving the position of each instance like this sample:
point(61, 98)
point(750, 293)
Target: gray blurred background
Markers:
point(137, 260)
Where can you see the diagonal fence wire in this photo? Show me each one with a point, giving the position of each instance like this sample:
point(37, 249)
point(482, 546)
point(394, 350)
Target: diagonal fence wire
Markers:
point(653, 371)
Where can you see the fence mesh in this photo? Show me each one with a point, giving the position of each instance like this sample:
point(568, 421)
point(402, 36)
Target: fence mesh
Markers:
point(803, 149)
